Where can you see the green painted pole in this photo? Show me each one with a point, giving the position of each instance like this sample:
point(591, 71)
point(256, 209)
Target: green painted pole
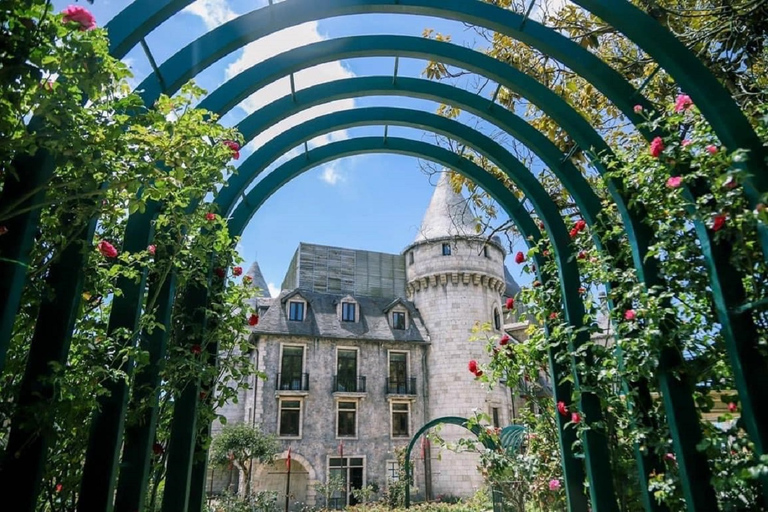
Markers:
point(140, 433)
point(30, 436)
point(16, 244)
point(97, 487)
point(181, 447)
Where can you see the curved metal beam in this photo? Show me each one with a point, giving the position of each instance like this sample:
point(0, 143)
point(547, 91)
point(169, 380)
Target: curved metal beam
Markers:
point(597, 457)
point(588, 202)
point(450, 420)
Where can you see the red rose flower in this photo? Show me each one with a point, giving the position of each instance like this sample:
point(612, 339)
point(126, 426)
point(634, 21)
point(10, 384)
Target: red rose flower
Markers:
point(541, 225)
point(574, 232)
point(107, 249)
point(151, 249)
point(582, 255)
point(657, 146)
point(711, 149)
point(719, 222)
point(203, 395)
point(576, 417)
point(210, 216)
point(195, 349)
point(732, 407)
point(158, 449)
point(247, 279)
point(510, 303)
point(253, 320)
point(731, 183)
point(479, 373)
point(562, 408)
point(582, 290)
point(519, 257)
point(472, 366)
point(580, 225)
point(237, 271)
point(235, 147)
point(59, 487)
point(220, 272)
point(504, 339)
point(553, 316)
point(80, 15)
point(630, 314)
point(670, 457)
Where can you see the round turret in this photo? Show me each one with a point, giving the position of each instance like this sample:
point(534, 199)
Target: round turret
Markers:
point(456, 280)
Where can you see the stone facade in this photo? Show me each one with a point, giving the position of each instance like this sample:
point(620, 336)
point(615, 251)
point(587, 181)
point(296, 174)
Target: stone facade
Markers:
point(361, 349)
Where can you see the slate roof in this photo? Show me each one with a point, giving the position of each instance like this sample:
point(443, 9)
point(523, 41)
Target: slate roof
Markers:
point(322, 320)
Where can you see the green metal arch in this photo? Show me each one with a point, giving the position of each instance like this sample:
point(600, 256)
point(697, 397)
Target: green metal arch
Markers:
point(601, 490)
point(143, 16)
point(445, 420)
point(262, 119)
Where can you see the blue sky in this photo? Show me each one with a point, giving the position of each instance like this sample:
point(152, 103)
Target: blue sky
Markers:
point(372, 202)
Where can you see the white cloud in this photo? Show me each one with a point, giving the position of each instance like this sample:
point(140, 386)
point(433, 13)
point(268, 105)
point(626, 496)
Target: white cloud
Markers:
point(213, 12)
point(274, 290)
point(277, 43)
point(331, 173)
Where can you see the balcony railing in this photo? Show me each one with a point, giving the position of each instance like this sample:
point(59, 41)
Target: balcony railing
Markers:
point(292, 382)
point(401, 387)
point(348, 384)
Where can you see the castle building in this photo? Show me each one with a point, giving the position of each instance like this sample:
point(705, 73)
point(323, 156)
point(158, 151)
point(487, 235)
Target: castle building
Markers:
point(362, 348)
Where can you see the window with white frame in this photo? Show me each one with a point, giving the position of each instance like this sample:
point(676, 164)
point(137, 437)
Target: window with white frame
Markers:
point(351, 470)
point(400, 413)
point(289, 419)
point(346, 370)
point(346, 418)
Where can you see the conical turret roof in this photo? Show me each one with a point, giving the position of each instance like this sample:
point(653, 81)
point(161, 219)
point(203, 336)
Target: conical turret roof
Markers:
point(447, 215)
point(258, 280)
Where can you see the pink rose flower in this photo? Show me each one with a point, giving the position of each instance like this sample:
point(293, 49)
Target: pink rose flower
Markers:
point(711, 149)
point(151, 249)
point(674, 182)
point(686, 142)
point(638, 109)
point(683, 102)
point(657, 146)
point(80, 15)
point(630, 314)
point(554, 485)
point(576, 418)
point(562, 408)
point(107, 249)
point(235, 147)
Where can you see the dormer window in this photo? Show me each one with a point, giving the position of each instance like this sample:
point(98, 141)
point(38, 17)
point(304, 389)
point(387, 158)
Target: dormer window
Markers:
point(296, 310)
point(398, 320)
point(348, 312)
point(446, 249)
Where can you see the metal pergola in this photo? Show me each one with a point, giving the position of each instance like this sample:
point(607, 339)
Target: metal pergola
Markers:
point(112, 481)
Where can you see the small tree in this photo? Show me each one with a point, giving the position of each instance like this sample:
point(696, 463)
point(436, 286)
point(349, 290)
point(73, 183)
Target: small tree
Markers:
point(238, 444)
point(334, 484)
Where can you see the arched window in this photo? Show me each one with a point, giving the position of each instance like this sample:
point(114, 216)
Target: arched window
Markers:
point(496, 319)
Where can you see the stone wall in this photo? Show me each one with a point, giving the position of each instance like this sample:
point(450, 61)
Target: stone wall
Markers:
point(454, 293)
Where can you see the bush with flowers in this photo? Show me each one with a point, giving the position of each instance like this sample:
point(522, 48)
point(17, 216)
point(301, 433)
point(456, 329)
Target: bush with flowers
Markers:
point(64, 96)
point(626, 341)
